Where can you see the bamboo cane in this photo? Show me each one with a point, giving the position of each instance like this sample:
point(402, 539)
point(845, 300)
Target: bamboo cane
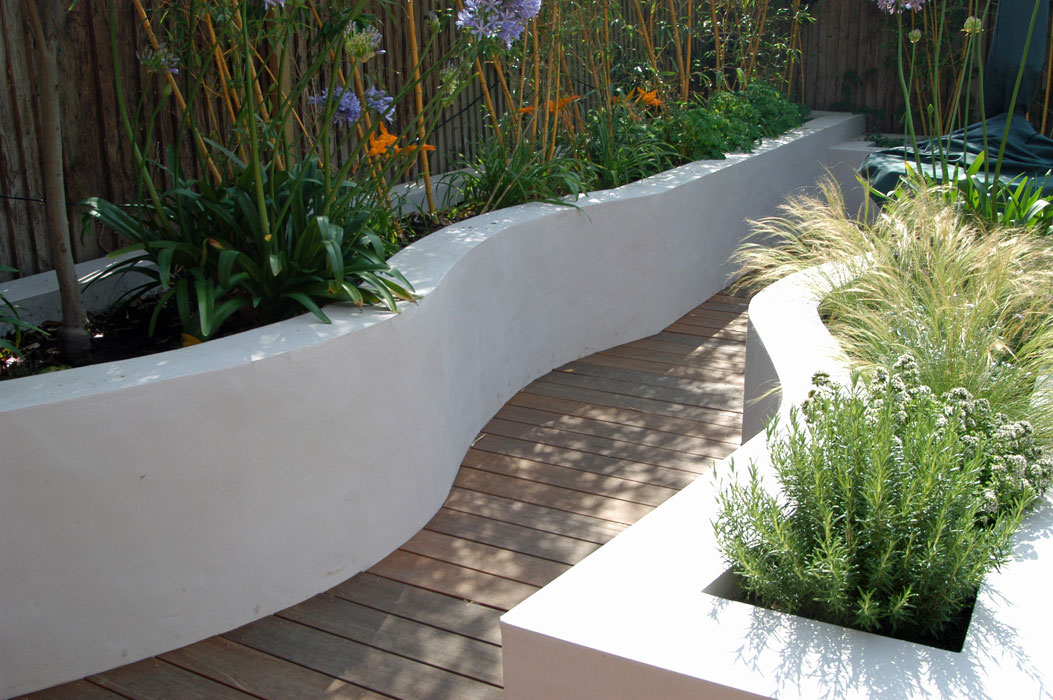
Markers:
point(176, 93)
point(418, 99)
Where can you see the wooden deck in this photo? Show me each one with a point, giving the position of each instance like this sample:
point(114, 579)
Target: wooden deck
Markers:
point(567, 464)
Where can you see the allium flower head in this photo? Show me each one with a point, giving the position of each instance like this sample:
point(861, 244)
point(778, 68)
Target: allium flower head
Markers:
point(268, 4)
point(914, 36)
point(380, 102)
point(501, 19)
point(363, 42)
point(895, 7)
point(348, 108)
point(973, 25)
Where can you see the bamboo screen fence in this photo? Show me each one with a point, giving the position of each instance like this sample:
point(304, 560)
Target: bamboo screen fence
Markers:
point(845, 56)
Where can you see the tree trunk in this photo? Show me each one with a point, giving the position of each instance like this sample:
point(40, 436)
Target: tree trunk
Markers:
point(73, 333)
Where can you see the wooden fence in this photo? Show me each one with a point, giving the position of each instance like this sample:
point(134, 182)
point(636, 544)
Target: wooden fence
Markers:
point(845, 57)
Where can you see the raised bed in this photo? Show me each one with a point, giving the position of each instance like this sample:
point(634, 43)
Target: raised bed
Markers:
point(150, 503)
point(645, 616)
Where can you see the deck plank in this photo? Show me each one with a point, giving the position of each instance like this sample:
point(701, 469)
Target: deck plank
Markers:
point(638, 419)
point(690, 444)
point(542, 518)
point(609, 447)
point(567, 464)
point(262, 675)
point(77, 690)
point(452, 580)
point(582, 461)
point(409, 639)
point(613, 486)
point(453, 614)
point(356, 663)
point(584, 503)
point(515, 538)
point(483, 557)
point(152, 679)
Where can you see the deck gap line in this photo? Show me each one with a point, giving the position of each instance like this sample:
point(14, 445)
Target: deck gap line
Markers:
point(574, 490)
point(525, 527)
point(587, 471)
point(497, 546)
point(562, 510)
point(605, 437)
point(470, 568)
point(87, 679)
point(422, 662)
point(660, 416)
point(601, 454)
point(227, 683)
point(649, 398)
point(432, 590)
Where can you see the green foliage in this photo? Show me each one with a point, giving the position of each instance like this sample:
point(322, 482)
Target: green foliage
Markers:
point(1017, 203)
point(775, 114)
point(883, 524)
point(732, 122)
point(212, 254)
point(971, 304)
point(697, 133)
point(622, 146)
point(743, 121)
point(9, 317)
point(500, 175)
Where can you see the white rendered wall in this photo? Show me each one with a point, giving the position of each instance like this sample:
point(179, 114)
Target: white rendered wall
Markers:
point(150, 503)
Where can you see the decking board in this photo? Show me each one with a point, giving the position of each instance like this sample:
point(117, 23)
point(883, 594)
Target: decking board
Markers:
point(566, 465)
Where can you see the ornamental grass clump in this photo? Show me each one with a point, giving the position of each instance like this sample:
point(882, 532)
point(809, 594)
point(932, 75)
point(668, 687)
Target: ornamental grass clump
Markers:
point(888, 517)
point(971, 303)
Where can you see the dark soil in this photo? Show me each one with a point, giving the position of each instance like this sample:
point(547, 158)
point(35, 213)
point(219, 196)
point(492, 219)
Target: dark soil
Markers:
point(117, 334)
point(950, 638)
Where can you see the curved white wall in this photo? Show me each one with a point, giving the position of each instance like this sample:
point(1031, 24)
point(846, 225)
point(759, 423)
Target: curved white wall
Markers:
point(151, 503)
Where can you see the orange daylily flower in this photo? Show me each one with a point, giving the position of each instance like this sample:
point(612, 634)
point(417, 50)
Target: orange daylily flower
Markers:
point(553, 106)
point(648, 97)
point(412, 148)
point(379, 143)
point(526, 110)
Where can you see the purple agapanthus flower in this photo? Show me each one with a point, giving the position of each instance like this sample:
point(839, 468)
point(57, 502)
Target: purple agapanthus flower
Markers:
point(895, 7)
point(268, 4)
point(502, 19)
point(348, 108)
point(380, 102)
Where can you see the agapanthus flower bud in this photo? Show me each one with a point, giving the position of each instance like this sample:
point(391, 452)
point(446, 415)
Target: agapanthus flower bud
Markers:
point(363, 42)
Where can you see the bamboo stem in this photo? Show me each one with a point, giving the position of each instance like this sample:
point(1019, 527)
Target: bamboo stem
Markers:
point(418, 99)
point(176, 93)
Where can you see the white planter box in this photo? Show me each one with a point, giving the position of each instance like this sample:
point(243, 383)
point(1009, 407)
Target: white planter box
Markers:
point(632, 620)
point(151, 503)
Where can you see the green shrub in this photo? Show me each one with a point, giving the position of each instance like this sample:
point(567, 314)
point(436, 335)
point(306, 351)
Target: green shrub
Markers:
point(212, 255)
point(622, 146)
point(499, 175)
point(883, 523)
point(743, 123)
point(697, 133)
point(775, 114)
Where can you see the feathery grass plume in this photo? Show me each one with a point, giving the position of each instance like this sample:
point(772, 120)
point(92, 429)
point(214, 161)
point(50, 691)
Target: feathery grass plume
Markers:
point(971, 304)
